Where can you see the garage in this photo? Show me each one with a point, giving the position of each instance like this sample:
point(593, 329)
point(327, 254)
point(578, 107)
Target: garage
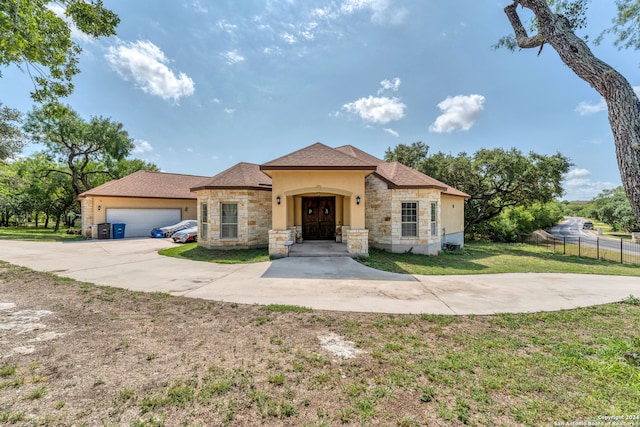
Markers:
point(140, 222)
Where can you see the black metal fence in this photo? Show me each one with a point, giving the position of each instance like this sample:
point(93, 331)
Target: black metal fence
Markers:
point(624, 251)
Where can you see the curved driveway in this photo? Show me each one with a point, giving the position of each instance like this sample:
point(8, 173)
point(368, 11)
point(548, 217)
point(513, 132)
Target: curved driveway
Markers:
point(319, 283)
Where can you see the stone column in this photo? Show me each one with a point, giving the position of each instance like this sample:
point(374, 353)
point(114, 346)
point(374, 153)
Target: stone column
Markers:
point(277, 238)
point(358, 242)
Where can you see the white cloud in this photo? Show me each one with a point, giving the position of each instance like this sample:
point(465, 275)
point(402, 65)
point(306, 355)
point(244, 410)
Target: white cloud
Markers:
point(458, 113)
point(142, 146)
point(232, 57)
point(392, 132)
point(144, 63)
point(229, 110)
point(387, 84)
point(579, 186)
point(377, 109)
point(288, 38)
point(382, 11)
point(577, 173)
point(586, 108)
point(197, 6)
point(224, 25)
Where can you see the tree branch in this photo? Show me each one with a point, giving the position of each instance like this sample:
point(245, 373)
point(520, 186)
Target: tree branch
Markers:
point(522, 38)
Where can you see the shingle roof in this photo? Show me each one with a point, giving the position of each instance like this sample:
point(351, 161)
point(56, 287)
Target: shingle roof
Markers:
point(242, 175)
point(400, 176)
point(356, 152)
point(318, 157)
point(148, 184)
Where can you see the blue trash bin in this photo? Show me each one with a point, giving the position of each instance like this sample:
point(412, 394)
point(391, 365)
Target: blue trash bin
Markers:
point(118, 231)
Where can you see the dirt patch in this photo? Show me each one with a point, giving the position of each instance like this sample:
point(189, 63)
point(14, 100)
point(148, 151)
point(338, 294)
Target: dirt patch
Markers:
point(74, 353)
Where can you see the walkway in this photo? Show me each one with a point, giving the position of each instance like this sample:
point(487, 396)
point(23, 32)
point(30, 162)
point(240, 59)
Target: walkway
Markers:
point(326, 283)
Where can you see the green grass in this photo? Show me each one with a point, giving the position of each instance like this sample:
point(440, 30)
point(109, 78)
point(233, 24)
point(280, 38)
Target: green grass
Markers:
point(33, 233)
point(230, 256)
point(491, 258)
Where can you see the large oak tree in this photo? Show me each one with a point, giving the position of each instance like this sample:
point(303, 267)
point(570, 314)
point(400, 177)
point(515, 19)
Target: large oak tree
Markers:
point(87, 148)
point(556, 28)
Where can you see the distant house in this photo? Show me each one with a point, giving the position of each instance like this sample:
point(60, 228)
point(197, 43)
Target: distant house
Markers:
point(324, 193)
point(316, 193)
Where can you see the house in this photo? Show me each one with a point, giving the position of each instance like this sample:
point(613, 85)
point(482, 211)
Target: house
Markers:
point(315, 193)
point(142, 201)
point(324, 193)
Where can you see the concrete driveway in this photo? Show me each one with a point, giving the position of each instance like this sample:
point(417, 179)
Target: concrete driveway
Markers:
point(319, 283)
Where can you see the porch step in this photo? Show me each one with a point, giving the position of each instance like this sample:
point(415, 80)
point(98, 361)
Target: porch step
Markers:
point(319, 248)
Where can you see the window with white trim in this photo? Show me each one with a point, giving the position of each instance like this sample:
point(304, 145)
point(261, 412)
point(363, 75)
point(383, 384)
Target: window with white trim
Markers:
point(409, 219)
point(204, 220)
point(434, 218)
point(229, 221)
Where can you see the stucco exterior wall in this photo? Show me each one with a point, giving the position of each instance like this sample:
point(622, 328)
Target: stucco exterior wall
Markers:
point(254, 218)
point(452, 212)
point(94, 208)
point(289, 184)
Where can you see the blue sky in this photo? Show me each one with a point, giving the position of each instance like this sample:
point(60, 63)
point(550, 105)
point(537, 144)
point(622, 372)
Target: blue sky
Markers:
point(202, 85)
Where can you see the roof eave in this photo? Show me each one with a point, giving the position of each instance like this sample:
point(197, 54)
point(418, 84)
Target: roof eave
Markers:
point(315, 167)
point(231, 187)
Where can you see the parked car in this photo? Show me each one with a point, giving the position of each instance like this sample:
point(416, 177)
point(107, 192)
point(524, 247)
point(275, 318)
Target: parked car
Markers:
point(187, 235)
point(588, 225)
point(170, 229)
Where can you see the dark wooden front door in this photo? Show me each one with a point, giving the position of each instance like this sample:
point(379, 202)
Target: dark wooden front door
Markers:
point(318, 218)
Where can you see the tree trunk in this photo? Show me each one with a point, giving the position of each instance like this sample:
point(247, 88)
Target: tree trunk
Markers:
point(622, 102)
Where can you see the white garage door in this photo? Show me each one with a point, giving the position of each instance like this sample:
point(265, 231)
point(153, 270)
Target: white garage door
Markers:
point(140, 222)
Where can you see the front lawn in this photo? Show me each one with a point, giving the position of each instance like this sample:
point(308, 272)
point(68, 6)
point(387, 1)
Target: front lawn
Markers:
point(490, 258)
point(33, 233)
point(232, 256)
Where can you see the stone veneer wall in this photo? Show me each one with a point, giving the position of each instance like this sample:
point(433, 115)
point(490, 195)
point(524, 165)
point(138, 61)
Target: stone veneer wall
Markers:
point(254, 217)
point(424, 243)
point(358, 242)
point(277, 248)
point(86, 207)
point(383, 218)
point(377, 211)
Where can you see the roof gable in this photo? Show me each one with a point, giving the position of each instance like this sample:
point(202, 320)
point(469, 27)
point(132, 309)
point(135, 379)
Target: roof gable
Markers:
point(359, 154)
point(147, 184)
point(318, 157)
point(242, 175)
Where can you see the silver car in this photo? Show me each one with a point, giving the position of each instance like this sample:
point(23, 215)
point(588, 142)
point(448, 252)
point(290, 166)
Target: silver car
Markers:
point(170, 229)
point(187, 235)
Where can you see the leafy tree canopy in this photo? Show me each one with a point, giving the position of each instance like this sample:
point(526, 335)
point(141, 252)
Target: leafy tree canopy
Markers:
point(36, 39)
point(86, 148)
point(612, 207)
point(11, 139)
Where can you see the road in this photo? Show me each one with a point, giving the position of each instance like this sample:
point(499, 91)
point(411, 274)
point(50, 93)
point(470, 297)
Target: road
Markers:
point(571, 230)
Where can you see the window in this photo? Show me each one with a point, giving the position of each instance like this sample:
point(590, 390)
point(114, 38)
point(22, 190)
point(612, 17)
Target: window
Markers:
point(229, 221)
point(204, 220)
point(409, 219)
point(434, 218)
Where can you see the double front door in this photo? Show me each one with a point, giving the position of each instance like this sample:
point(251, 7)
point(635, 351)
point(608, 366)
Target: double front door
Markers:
point(318, 218)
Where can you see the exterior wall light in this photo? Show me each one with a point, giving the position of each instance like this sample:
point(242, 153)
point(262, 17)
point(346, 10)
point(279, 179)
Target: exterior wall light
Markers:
point(357, 200)
point(278, 199)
